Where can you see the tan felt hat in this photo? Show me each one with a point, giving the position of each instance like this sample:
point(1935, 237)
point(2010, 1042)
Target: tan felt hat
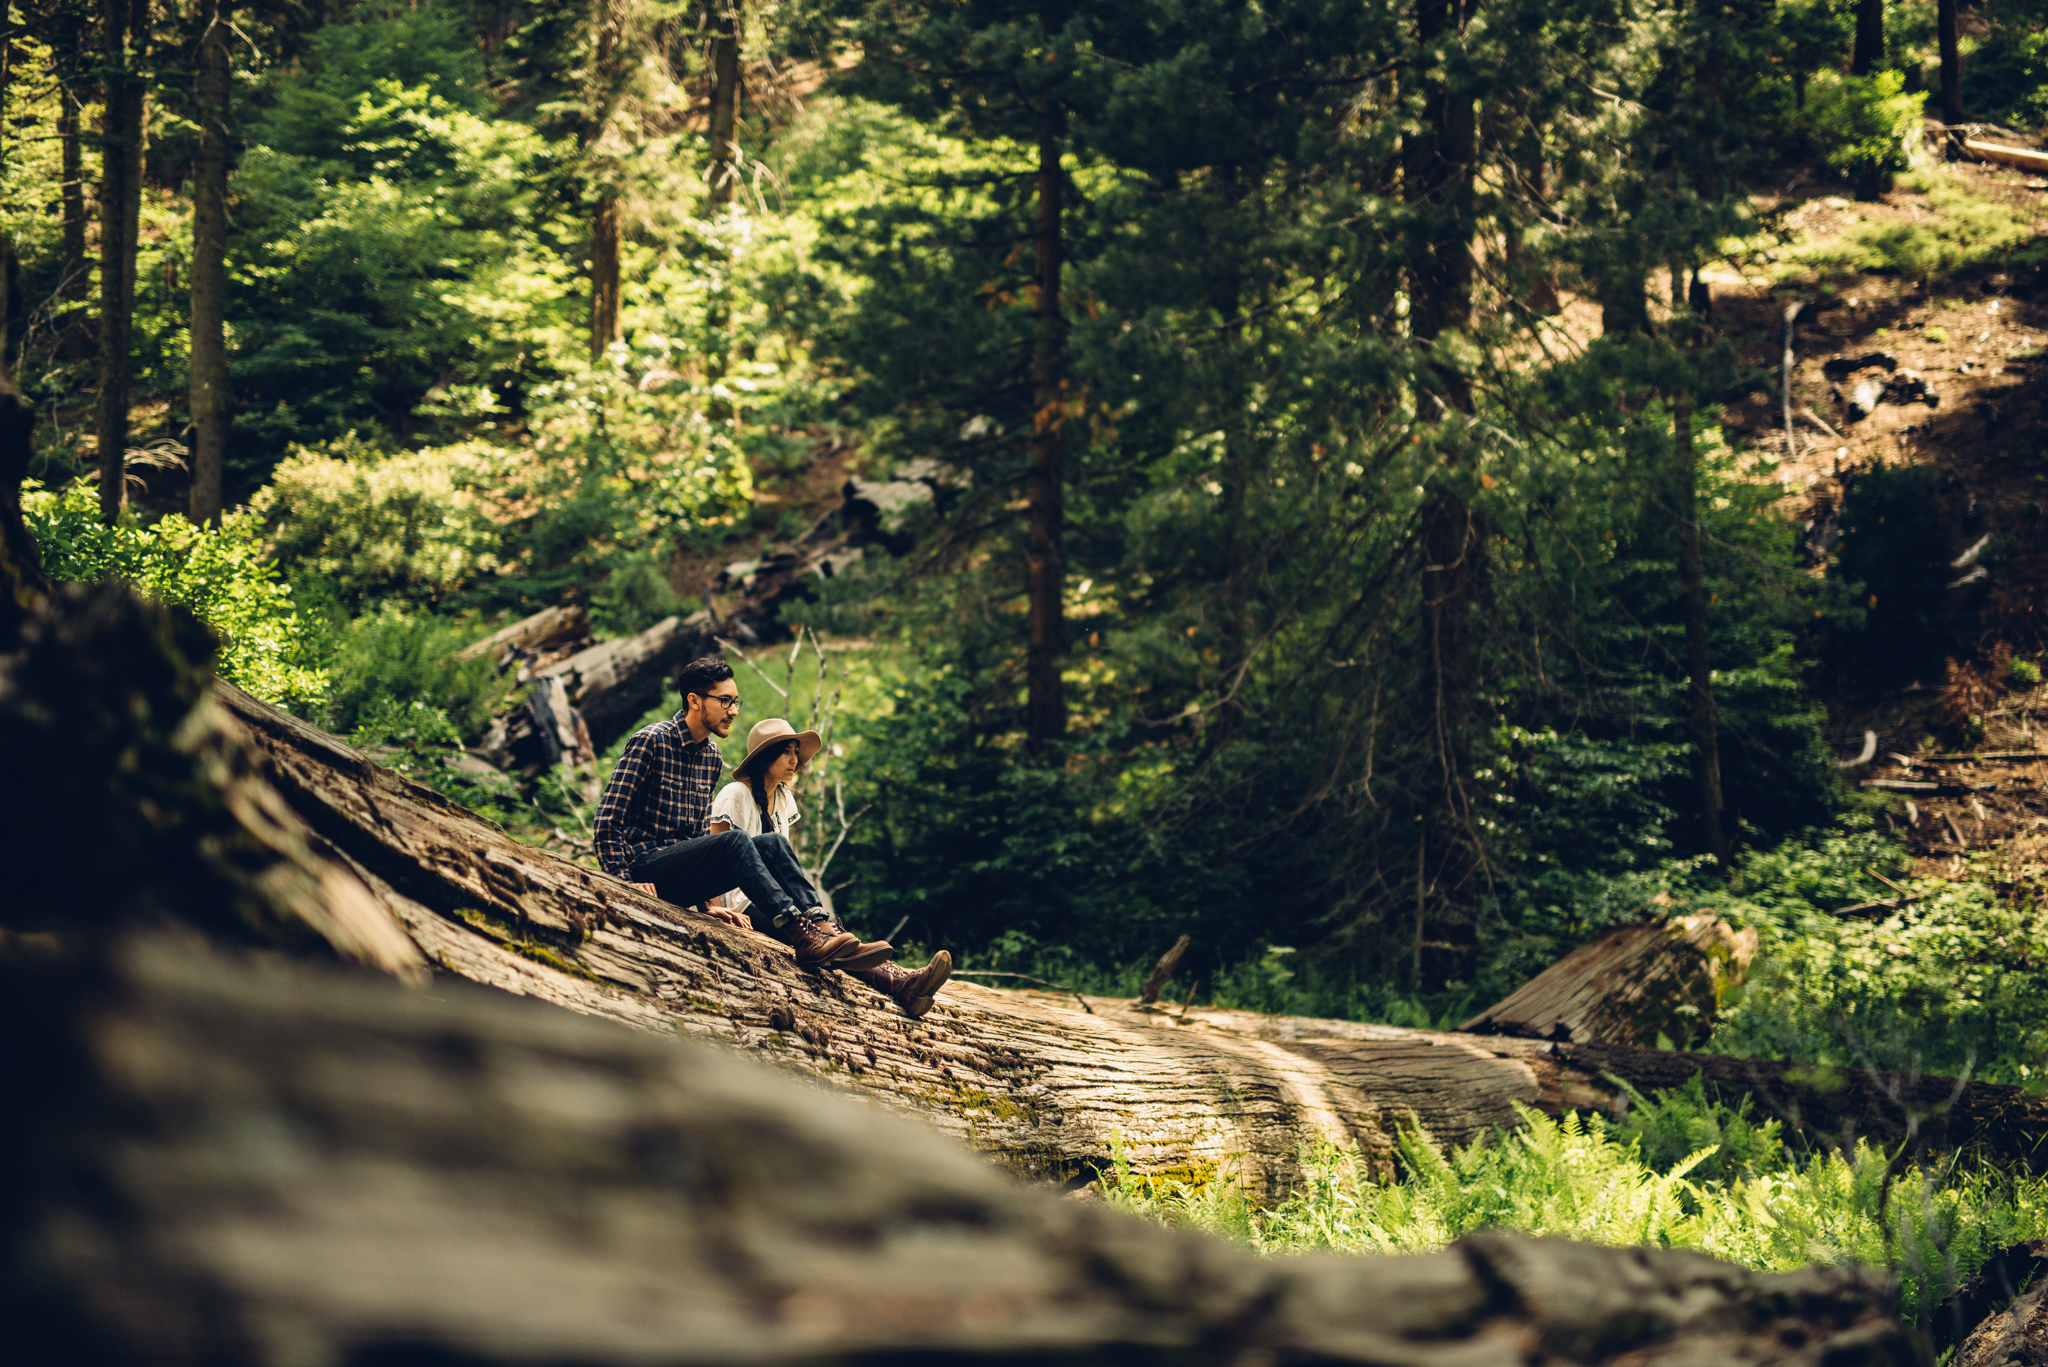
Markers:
point(770, 732)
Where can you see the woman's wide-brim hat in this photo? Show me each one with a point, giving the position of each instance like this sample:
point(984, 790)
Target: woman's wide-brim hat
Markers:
point(770, 733)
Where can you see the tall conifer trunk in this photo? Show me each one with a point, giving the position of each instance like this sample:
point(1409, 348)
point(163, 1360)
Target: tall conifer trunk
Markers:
point(74, 280)
point(209, 367)
point(1437, 166)
point(124, 26)
point(74, 277)
point(1706, 742)
point(22, 584)
point(1951, 61)
point(606, 325)
point(1045, 576)
point(1868, 54)
point(1234, 608)
point(725, 100)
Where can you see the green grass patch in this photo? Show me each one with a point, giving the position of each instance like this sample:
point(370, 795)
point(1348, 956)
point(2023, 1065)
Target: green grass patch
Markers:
point(1968, 230)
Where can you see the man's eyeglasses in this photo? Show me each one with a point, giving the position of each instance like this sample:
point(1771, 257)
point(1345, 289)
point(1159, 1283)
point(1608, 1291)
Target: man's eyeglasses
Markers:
point(730, 704)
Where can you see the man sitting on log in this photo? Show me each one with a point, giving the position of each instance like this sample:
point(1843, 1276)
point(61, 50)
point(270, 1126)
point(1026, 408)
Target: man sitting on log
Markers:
point(650, 831)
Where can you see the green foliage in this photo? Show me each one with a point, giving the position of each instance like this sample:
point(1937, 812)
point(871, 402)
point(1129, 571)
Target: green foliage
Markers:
point(1944, 984)
point(391, 239)
point(1863, 128)
point(369, 523)
point(1580, 1178)
point(1670, 1129)
point(397, 658)
point(222, 574)
point(1966, 230)
point(1948, 984)
point(2023, 673)
point(2005, 71)
point(421, 742)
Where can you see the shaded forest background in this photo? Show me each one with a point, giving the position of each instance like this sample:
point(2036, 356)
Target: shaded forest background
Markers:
point(1323, 524)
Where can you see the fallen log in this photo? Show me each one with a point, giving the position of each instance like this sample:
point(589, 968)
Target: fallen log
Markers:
point(2014, 1337)
point(530, 636)
point(261, 1164)
point(1978, 1303)
point(614, 683)
point(581, 703)
point(2023, 157)
point(1629, 986)
point(1042, 1086)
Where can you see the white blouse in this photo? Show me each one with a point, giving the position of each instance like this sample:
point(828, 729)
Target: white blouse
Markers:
point(735, 805)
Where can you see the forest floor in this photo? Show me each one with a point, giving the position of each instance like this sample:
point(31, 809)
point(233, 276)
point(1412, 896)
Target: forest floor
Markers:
point(1958, 349)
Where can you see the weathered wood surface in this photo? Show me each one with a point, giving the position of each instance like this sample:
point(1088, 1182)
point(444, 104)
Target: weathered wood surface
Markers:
point(1629, 986)
point(1029, 1078)
point(258, 1163)
point(1979, 1303)
point(530, 634)
point(2015, 1337)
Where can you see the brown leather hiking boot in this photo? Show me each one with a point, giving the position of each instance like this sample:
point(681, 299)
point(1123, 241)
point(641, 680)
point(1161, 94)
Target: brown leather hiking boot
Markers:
point(866, 954)
point(911, 991)
point(818, 943)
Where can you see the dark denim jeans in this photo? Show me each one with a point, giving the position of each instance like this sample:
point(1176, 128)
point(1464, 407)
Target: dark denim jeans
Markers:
point(764, 867)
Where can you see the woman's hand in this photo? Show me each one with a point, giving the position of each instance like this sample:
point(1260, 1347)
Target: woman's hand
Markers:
point(649, 889)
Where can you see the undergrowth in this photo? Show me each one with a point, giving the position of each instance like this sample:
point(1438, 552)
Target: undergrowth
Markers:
point(1752, 1199)
point(1965, 230)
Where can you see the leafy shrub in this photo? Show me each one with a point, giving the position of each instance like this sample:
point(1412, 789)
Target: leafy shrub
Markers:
point(370, 523)
point(397, 657)
point(633, 597)
point(1863, 128)
point(422, 743)
point(1948, 985)
point(2023, 673)
point(221, 574)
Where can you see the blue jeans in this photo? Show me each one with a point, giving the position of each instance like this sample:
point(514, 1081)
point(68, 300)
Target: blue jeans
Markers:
point(764, 867)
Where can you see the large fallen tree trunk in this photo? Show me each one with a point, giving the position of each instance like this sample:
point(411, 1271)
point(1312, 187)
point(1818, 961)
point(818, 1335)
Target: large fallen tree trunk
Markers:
point(235, 1163)
point(1043, 1084)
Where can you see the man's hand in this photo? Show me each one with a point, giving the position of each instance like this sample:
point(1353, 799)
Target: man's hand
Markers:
point(649, 889)
point(732, 918)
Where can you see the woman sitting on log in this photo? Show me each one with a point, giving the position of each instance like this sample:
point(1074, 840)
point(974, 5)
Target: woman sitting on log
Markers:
point(761, 800)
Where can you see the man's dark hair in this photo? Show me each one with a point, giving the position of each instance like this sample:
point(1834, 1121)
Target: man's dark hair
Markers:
point(698, 675)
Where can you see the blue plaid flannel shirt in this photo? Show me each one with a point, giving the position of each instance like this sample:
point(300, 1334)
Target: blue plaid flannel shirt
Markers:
point(659, 794)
